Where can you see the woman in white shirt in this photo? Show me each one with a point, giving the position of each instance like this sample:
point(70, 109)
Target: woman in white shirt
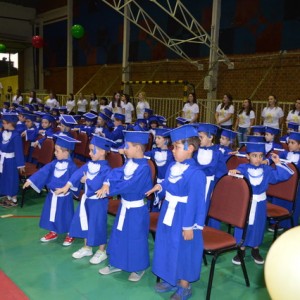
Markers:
point(52, 102)
point(33, 99)
point(190, 109)
point(94, 103)
point(103, 103)
point(128, 108)
point(116, 105)
point(81, 104)
point(17, 98)
point(294, 114)
point(224, 112)
point(71, 104)
point(272, 115)
point(141, 105)
point(244, 121)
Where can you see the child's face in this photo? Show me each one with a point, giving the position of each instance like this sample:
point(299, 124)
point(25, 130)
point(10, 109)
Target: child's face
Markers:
point(224, 141)
point(64, 128)
point(269, 137)
point(45, 123)
point(131, 150)
point(100, 122)
point(255, 158)
point(257, 134)
point(146, 115)
point(153, 125)
point(117, 122)
point(7, 125)
point(88, 123)
point(96, 153)
point(205, 141)
point(293, 145)
point(21, 118)
point(160, 141)
point(28, 123)
point(61, 153)
point(180, 154)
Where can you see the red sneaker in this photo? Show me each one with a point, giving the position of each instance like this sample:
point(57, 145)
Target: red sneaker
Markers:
point(51, 236)
point(68, 241)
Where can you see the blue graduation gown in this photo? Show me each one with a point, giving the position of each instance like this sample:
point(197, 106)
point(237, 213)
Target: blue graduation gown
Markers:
point(55, 175)
point(259, 177)
point(175, 258)
point(225, 150)
point(128, 248)
point(96, 209)
point(11, 143)
point(116, 135)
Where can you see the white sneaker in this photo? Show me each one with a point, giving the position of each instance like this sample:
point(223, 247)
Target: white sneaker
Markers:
point(109, 270)
point(136, 276)
point(82, 252)
point(98, 257)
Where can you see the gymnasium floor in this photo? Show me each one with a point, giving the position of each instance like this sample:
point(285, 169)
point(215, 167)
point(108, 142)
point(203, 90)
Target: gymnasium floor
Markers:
point(47, 271)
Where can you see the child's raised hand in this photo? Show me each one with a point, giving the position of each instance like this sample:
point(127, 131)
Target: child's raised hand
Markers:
point(275, 158)
point(26, 184)
point(156, 188)
point(102, 193)
point(234, 172)
point(188, 234)
point(83, 178)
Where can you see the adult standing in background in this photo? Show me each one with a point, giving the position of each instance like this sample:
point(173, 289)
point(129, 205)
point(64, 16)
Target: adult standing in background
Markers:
point(33, 98)
point(70, 104)
point(190, 109)
point(52, 101)
point(141, 105)
point(272, 115)
point(94, 103)
point(224, 112)
point(128, 107)
point(117, 105)
point(81, 104)
point(294, 114)
point(18, 98)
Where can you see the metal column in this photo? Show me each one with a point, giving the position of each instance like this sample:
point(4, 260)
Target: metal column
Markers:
point(70, 70)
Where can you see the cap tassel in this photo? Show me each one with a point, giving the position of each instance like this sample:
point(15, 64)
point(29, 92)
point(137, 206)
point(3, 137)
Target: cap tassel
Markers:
point(186, 145)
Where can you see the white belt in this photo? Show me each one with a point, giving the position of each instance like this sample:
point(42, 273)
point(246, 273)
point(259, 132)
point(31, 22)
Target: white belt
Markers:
point(255, 199)
point(82, 211)
point(209, 179)
point(54, 205)
point(127, 205)
point(119, 141)
point(3, 156)
point(173, 200)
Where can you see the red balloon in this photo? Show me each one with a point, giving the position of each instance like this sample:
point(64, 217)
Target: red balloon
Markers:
point(37, 41)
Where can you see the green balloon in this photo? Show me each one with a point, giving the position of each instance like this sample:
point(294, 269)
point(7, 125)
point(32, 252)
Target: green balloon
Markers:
point(2, 48)
point(77, 31)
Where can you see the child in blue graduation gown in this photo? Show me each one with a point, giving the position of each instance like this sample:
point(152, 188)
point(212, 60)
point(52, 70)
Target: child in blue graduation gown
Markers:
point(58, 211)
point(90, 219)
point(226, 140)
point(270, 137)
point(293, 155)
point(46, 130)
point(162, 157)
point(11, 159)
point(178, 242)
point(259, 176)
point(128, 245)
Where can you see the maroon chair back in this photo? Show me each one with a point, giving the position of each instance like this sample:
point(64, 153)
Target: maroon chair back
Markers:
point(150, 142)
point(115, 159)
point(286, 189)
point(234, 161)
point(46, 152)
point(230, 201)
point(153, 170)
point(80, 148)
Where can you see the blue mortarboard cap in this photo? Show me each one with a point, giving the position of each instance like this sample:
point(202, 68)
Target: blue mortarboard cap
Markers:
point(153, 118)
point(141, 121)
point(181, 120)
point(77, 117)
point(65, 141)
point(140, 137)
point(48, 117)
point(15, 105)
point(47, 108)
point(208, 128)
point(7, 103)
point(67, 120)
point(161, 119)
point(35, 106)
point(149, 111)
point(102, 142)
point(294, 135)
point(120, 117)
point(229, 134)
point(162, 132)
point(183, 132)
point(272, 130)
point(108, 112)
point(10, 117)
point(138, 128)
point(104, 117)
point(31, 117)
point(29, 107)
point(90, 116)
point(55, 109)
point(41, 104)
point(255, 138)
point(293, 125)
point(39, 113)
point(63, 109)
point(258, 128)
point(255, 147)
point(21, 110)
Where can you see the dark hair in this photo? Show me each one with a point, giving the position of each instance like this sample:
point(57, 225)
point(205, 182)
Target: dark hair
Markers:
point(118, 101)
point(194, 97)
point(294, 107)
point(71, 96)
point(94, 96)
point(192, 141)
point(226, 106)
point(248, 110)
point(105, 100)
point(276, 102)
point(127, 97)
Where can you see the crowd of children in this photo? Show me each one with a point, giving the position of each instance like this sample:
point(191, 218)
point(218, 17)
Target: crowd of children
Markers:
point(188, 161)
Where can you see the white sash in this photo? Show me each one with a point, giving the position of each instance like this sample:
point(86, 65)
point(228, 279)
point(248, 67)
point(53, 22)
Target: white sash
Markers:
point(255, 200)
point(54, 205)
point(3, 156)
